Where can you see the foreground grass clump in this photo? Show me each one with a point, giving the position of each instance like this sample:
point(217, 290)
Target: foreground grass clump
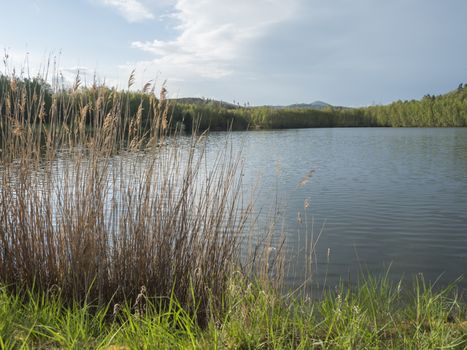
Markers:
point(375, 315)
point(96, 201)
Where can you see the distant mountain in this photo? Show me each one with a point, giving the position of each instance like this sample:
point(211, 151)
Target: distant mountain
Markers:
point(314, 105)
point(203, 102)
point(193, 100)
point(318, 105)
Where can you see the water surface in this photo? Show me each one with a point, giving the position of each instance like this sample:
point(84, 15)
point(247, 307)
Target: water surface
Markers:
point(380, 196)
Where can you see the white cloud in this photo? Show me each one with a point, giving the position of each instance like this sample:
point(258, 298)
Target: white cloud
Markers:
point(214, 36)
point(131, 10)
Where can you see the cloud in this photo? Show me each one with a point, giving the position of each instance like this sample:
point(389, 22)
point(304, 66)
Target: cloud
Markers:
point(131, 10)
point(213, 36)
point(342, 52)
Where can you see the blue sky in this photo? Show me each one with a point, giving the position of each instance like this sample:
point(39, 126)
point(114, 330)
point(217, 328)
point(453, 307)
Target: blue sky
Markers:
point(344, 52)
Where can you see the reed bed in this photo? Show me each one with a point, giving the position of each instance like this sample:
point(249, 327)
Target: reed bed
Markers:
point(100, 204)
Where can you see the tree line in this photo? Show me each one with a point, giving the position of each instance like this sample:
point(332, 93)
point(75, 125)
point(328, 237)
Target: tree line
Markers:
point(446, 110)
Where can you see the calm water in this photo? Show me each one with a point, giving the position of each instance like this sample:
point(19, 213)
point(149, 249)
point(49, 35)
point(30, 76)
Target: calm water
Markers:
point(380, 196)
point(374, 196)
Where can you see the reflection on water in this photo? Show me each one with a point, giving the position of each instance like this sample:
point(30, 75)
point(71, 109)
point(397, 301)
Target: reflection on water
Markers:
point(380, 196)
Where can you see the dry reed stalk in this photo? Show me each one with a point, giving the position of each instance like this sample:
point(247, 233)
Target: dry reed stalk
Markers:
point(92, 204)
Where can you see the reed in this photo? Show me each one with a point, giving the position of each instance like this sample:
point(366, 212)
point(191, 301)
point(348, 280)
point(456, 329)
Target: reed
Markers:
point(97, 202)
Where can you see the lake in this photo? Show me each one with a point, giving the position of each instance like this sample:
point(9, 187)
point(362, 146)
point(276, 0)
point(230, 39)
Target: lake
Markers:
point(364, 198)
point(379, 197)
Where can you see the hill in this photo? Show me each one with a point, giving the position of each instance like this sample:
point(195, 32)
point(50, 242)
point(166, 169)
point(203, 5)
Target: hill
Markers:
point(319, 105)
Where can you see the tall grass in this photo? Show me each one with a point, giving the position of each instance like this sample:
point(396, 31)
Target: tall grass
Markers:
point(96, 202)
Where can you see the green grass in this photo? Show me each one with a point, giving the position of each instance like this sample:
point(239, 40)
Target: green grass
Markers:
point(375, 315)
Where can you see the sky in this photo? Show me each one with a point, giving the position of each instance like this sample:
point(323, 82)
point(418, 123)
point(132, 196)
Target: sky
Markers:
point(276, 52)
